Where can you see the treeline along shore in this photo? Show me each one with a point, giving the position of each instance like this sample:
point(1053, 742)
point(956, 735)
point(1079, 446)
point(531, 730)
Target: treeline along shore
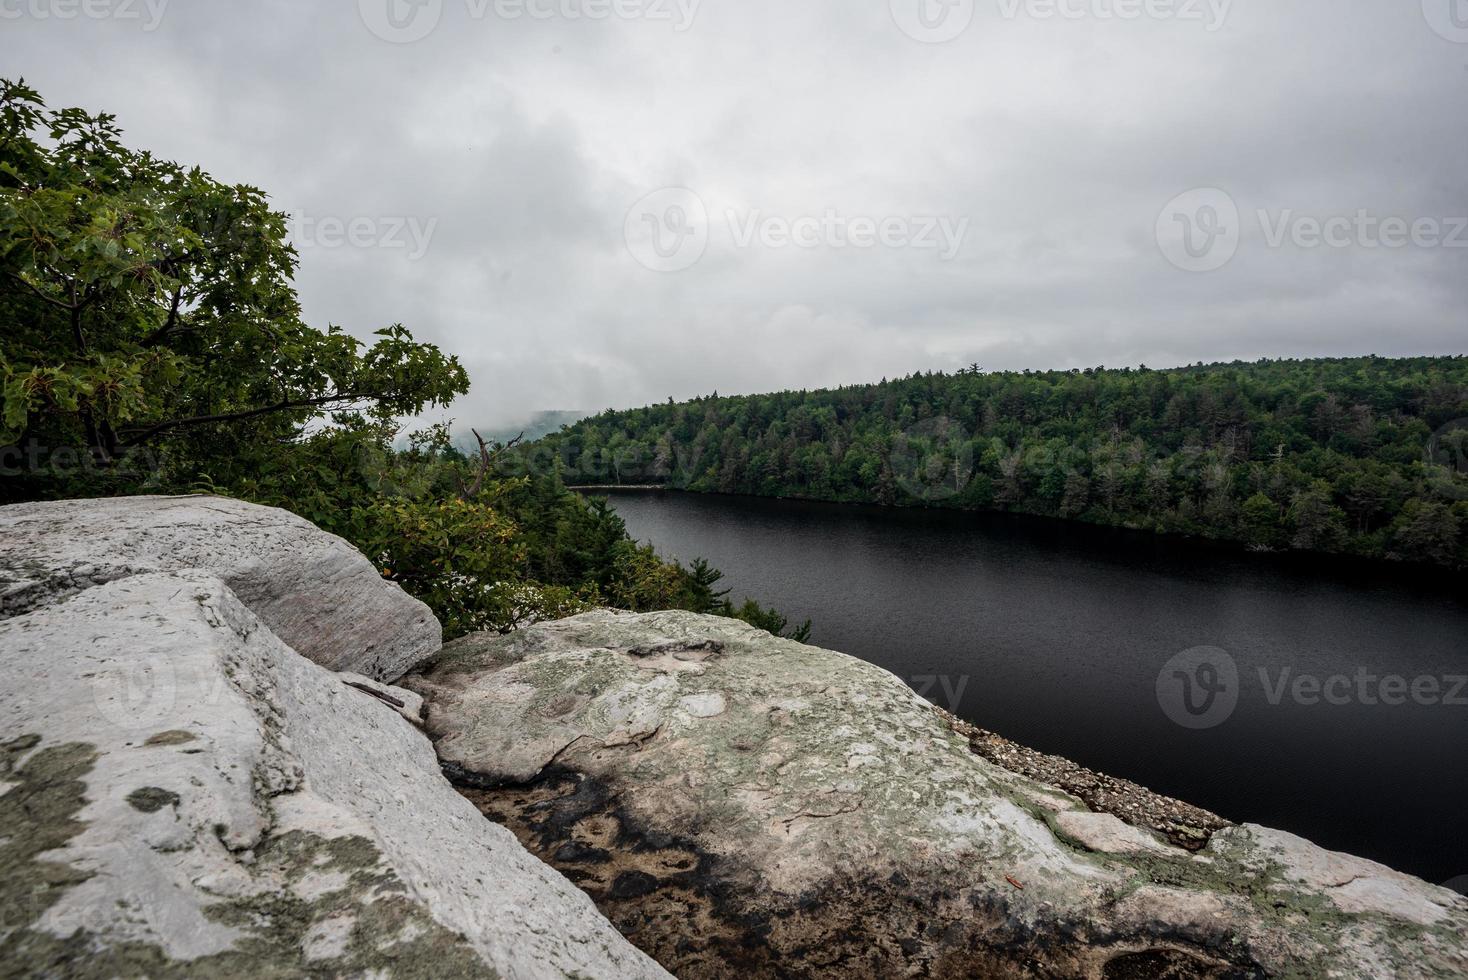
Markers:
point(1364, 456)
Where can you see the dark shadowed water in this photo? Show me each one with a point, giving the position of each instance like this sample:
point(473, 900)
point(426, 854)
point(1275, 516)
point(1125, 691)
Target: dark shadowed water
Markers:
point(1055, 635)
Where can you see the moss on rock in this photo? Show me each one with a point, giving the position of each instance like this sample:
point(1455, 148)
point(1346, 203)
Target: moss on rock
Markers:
point(389, 934)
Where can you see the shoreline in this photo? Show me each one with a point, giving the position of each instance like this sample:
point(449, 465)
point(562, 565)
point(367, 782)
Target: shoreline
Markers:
point(1189, 827)
point(1316, 562)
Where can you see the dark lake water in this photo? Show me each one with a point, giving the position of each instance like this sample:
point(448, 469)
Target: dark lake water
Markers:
point(1055, 635)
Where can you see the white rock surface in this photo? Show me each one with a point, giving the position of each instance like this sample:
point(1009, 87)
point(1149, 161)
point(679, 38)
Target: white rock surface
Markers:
point(1106, 834)
point(183, 795)
point(740, 804)
point(312, 589)
point(406, 703)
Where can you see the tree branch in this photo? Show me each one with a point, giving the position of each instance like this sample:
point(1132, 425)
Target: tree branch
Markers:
point(77, 336)
point(40, 295)
point(143, 435)
point(486, 463)
point(161, 334)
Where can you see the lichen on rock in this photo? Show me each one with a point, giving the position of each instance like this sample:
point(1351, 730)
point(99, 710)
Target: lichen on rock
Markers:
point(744, 805)
point(384, 932)
point(182, 795)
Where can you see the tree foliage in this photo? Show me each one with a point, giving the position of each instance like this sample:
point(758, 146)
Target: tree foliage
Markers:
point(146, 302)
point(1364, 456)
point(152, 342)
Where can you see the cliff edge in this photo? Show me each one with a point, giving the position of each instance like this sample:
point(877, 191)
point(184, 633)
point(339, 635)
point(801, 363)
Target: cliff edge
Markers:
point(740, 804)
point(210, 765)
point(184, 794)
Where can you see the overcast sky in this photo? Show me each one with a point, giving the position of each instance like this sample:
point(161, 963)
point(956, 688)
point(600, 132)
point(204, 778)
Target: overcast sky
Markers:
point(604, 203)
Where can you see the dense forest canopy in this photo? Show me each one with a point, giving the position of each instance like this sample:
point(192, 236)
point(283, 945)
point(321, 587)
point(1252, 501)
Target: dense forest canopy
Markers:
point(151, 341)
point(1365, 456)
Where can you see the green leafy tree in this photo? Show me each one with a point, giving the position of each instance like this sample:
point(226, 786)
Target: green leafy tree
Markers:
point(1319, 525)
point(1077, 494)
point(771, 622)
point(147, 304)
point(1427, 531)
point(1262, 525)
point(702, 580)
point(148, 311)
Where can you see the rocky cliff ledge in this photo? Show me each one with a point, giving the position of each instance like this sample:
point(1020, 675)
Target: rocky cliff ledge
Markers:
point(189, 788)
point(183, 794)
point(743, 805)
point(317, 593)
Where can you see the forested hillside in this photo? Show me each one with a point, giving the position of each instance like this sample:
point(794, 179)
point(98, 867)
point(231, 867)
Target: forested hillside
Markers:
point(1366, 456)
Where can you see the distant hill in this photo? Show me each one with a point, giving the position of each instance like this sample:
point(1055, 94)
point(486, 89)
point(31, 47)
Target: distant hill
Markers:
point(1365, 456)
point(538, 426)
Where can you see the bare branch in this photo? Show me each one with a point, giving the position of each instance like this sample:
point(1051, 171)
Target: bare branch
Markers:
point(487, 460)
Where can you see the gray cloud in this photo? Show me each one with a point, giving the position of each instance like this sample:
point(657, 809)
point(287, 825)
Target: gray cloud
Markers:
point(521, 143)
